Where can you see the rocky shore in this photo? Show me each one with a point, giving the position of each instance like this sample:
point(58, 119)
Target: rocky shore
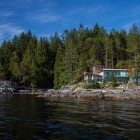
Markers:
point(106, 94)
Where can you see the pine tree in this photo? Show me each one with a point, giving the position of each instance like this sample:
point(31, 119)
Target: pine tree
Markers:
point(28, 63)
point(59, 80)
point(134, 43)
point(113, 80)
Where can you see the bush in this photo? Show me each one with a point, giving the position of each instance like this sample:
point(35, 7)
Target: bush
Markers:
point(92, 84)
point(113, 81)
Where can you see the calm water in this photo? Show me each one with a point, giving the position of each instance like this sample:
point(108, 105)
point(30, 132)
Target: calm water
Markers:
point(24, 117)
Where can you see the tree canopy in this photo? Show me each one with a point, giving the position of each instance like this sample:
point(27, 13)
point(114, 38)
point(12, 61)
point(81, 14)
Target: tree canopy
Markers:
point(60, 60)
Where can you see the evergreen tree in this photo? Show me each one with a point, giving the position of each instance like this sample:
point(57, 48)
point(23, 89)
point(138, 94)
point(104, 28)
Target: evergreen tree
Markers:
point(62, 60)
point(112, 80)
point(43, 64)
point(59, 80)
point(134, 43)
point(6, 53)
point(28, 63)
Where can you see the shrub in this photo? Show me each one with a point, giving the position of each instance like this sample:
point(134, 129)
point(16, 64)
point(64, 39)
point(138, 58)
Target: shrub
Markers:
point(113, 81)
point(92, 84)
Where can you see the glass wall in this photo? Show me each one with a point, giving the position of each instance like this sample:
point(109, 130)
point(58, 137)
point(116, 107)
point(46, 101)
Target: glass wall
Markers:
point(117, 73)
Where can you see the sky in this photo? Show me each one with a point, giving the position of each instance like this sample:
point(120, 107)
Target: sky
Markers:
point(45, 17)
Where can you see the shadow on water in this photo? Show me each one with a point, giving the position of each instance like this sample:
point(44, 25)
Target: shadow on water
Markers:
point(26, 117)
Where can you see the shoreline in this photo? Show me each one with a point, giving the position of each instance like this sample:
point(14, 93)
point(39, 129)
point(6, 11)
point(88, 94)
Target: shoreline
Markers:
point(106, 94)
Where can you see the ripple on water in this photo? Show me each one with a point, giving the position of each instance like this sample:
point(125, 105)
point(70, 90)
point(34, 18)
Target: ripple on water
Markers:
point(27, 117)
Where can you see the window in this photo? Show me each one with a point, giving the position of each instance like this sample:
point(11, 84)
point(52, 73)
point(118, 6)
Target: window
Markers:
point(89, 76)
point(123, 74)
point(117, 73)
point(106, 73)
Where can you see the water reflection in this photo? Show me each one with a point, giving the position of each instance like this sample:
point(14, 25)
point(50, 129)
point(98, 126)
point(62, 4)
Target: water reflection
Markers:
point(27, 117)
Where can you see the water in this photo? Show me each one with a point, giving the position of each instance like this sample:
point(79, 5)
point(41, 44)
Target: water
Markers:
point(25, 117)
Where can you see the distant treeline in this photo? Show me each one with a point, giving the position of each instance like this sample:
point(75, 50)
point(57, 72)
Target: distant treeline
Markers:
point(63, 59)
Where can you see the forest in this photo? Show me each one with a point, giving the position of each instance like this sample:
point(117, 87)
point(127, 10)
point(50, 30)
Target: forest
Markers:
point(62, 59)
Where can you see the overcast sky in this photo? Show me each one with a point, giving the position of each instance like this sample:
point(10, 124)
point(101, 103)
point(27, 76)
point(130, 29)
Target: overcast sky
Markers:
point(45, 17)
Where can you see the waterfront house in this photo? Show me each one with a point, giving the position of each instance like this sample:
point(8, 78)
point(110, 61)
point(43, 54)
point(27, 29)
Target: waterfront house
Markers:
point(5, 85)
point(92, 73)
point(98, 68)
point(93, 76)
point(121, 75)
point(100, 74)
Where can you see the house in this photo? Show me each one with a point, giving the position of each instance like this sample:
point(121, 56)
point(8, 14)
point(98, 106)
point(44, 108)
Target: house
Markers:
point(93, 73)
point(121, 75)
point(93, 76)
point(100, 74)
point(4, 83)
point(98, 68)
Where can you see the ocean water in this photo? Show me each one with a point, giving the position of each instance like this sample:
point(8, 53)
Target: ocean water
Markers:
point(26, 117)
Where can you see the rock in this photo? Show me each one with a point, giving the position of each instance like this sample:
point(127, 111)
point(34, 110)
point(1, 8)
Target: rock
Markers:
point(92, 94)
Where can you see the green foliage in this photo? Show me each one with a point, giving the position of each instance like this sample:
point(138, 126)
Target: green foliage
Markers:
point(59, 69)
point(112, 80)
point(59, 61)
point(93, 85)
point(27, 60)
point(121, 64)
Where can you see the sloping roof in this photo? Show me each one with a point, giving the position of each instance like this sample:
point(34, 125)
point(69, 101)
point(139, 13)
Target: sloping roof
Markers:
point(116, 69)
point(87, 73)
point(99, 69)
point(94, 74)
